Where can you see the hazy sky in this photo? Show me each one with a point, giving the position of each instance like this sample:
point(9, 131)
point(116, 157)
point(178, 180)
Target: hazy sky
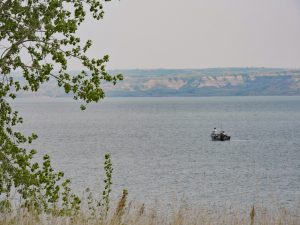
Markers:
point(197, 33)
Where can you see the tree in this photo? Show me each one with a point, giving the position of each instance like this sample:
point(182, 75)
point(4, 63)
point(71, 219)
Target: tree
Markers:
point(38, 38)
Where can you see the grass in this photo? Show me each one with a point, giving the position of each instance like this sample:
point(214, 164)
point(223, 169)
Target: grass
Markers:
point(134, 214)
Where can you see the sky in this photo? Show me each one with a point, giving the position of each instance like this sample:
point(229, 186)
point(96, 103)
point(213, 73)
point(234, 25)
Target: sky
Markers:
point(143, 34)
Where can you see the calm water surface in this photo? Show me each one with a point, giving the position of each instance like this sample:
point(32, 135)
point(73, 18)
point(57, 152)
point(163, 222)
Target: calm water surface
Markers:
point(161, 149)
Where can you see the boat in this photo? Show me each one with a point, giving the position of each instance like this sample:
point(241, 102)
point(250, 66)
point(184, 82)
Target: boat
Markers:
point(219, 136)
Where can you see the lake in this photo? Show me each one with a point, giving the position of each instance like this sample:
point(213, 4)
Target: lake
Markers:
point(162, 152)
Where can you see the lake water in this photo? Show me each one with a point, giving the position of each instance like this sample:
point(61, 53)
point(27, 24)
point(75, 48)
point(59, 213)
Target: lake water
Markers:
point(161, 148)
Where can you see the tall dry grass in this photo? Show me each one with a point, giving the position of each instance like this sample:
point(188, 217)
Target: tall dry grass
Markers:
point(133, 214)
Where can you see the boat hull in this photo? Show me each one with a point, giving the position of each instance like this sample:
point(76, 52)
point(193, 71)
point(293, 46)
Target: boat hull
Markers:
point(220, 137)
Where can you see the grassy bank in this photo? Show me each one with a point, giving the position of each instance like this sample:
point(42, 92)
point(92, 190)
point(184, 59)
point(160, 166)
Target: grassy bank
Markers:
point(139, 215)
point(68, 209)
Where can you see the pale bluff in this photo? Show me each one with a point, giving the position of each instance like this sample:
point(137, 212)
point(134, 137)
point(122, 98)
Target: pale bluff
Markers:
point(197, 82)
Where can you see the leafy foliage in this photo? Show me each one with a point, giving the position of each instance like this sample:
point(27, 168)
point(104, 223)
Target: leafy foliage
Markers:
point(38, 39)
point(107, 184)
point(38, 35)
point(100, 207)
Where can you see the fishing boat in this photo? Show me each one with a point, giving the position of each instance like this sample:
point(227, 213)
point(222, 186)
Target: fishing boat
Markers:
point(219, 136)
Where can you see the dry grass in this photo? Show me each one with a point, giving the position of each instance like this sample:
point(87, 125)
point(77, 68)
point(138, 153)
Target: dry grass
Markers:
point(139, 215)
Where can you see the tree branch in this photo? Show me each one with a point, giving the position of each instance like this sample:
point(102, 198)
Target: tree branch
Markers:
point(4, 6)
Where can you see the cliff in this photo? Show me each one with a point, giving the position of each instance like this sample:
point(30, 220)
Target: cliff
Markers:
point(195, 82)
point(207, 82)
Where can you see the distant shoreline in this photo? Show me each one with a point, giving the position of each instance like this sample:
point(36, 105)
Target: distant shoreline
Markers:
point(192, 83)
